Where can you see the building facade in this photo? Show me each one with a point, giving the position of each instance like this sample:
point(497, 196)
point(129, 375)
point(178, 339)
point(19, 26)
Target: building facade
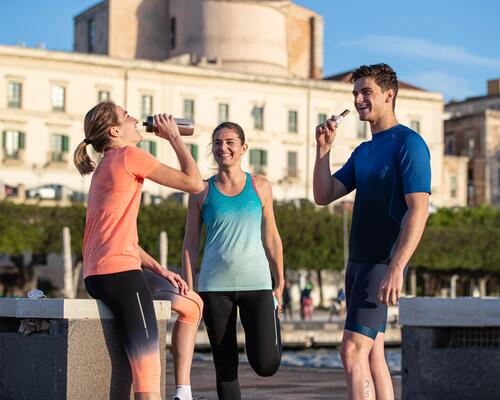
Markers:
point(276, 96)
point(472, 131)
point(47, 93)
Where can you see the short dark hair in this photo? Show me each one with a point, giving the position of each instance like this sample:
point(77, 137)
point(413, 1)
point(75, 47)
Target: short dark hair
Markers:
point(232, 126)
point(383, 75)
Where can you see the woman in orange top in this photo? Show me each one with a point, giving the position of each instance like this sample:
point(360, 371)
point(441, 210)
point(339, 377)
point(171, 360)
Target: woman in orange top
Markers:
point(112, 257)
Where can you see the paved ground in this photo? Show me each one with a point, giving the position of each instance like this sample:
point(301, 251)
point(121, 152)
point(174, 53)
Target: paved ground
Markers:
point(290, 383)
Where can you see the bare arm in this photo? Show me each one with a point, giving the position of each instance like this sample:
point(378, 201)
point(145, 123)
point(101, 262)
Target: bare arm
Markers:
point(188, 179)
point(271, 238)
point(326, 187)
point(148, 262)
point(191, 244)
point(411, 233)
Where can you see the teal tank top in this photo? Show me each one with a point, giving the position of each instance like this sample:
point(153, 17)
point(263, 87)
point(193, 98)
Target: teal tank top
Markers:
point(234, 258)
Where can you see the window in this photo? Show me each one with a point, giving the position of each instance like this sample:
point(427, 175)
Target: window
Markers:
point(258, 161)
point(103, 95)
point(91, 35)
point(223, 112)
point(189, 109)
point(193, 149)
point(471, 146)
point(292, 171)
point(58, 98)
point(173, 32)
point(362, 130)
point(470, 195)
point(292, 121)
point(449, 145)
point(59, 148)
point(415, 125)
point(258, 118)
point(146, 106)
point(470, 174)
point(322, 118)
point(453, 187)
point(13, 142)
point(14, 95)
point(148, 145)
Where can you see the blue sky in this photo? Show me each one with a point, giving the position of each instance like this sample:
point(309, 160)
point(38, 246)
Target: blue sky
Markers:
point(449, 46)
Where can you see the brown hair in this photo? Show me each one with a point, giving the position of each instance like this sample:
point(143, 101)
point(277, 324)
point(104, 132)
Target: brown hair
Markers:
point(383, 75)
point(234, 127)
point(98, 120)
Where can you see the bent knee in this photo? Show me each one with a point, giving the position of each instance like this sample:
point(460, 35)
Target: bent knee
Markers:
point(189, 308)
point(266, 369)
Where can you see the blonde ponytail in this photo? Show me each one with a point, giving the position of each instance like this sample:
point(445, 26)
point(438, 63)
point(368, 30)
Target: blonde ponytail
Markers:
point(98, 120)
point(82, 160)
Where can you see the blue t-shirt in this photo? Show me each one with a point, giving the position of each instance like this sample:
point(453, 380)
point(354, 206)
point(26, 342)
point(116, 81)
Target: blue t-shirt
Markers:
point(394, 163)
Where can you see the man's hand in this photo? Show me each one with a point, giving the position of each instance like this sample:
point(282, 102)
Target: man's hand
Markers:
point(325, 133)
point(391, 286)
point(176, 281)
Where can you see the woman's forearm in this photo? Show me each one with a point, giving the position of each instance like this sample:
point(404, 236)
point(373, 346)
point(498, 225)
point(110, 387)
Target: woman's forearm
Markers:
point(275, 255)
point(189, 263)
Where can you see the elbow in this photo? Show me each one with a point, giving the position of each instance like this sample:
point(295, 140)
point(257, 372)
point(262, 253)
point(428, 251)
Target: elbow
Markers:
point(322, 197)
point(420, 213)
point(196, 186)
point(425, 214)
point(320, 201)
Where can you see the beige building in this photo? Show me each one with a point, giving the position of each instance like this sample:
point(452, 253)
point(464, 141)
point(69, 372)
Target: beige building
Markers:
point(47, 93)
point(473, 132)
point(272, 37)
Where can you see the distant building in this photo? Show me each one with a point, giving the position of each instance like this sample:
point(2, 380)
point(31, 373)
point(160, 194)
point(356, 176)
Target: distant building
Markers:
point(270, 37)
point(473, 132)
point(270, 85)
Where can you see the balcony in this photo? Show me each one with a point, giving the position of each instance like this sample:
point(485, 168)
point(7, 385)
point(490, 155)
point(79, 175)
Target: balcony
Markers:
point(57, 158)
point(258, 169)
point(291, 173)
point(15, 157)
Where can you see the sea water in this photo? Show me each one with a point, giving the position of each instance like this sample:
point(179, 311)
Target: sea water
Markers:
point(318, 358)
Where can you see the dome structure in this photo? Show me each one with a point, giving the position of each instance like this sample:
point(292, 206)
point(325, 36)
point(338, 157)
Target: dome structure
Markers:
point(247, 36)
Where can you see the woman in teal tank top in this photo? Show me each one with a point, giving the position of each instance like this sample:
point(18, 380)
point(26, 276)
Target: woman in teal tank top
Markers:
point(242, 250)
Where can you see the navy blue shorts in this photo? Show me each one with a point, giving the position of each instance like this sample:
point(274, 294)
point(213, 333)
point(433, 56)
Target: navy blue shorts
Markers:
point(365, 314)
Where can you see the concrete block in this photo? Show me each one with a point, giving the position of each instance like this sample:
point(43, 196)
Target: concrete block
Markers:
point(80, 357)
point(463, 311)
point(450, 348)
point(430, 372)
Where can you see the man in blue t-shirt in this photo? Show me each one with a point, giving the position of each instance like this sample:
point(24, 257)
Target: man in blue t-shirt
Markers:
point(392, 177)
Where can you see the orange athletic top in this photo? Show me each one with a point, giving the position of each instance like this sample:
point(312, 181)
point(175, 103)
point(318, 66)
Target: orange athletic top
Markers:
point(110, 241)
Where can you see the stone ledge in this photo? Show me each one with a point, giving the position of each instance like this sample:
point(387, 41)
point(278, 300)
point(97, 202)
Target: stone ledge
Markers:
point(67, 309)
point(443, 312)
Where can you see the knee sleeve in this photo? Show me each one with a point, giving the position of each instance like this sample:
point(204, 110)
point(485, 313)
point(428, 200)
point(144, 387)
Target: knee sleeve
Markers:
point(189, 308)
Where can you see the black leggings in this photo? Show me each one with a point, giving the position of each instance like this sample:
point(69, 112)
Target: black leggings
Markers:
point(128, 296)
point(262, 335)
